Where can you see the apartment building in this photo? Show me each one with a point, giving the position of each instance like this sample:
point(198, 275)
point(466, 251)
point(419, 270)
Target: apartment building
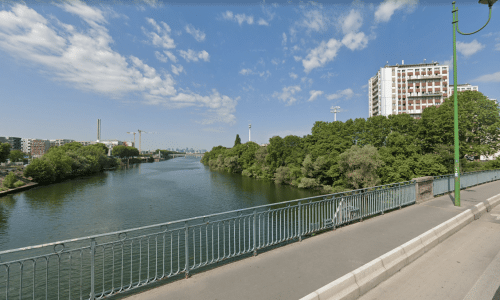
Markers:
point(26, 145)
point(110, 144)
point(15, 142)
point(462, 87)
point(39, 147)
point(407, 89)
point(60, 142)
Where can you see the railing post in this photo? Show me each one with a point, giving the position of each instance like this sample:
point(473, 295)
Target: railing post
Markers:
point(254, 232)
point(300, 222)
point(186, 248)
point(92, 269)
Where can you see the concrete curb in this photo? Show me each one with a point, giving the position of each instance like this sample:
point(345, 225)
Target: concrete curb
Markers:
point(363, 279)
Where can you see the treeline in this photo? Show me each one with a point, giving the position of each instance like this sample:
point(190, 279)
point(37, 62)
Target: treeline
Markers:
point(359, 153)
point(69, 161)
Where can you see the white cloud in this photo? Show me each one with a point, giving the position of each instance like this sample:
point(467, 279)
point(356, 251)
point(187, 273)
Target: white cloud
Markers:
point(306, 80)
point(314, 21)
point(166, 56)
point(262, 22)
point(386, 9)
point(321, 55)
point(177, 69)
point(191, 55)
point(287, 94)
point(275, 61)
point(297, 58)
point(314, 94)
point(355, 41)
point(283, 42)
point(293, 75)
point(352, 22)
point(468, 49)
point(196, 33)
point(327, 75)
point(495, 77)
point(85, 60)
point(160, 38)
point(246, 71)
point(240, 18)
point(265, 74)
point(347, 93)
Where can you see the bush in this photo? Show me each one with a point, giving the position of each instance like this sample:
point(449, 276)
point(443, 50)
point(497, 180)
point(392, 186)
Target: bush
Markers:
point(9, 180)
point(41, 171)
point(19, 183)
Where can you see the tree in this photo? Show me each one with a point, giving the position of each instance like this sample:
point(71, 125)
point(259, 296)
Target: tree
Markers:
point(360, 166)
point(16, 155)
point(4, 152)
point(237, 141)
point(478, 125)
point(41, 171)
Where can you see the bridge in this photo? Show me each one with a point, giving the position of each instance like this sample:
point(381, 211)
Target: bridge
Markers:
point(307, 265)
point(186, 155)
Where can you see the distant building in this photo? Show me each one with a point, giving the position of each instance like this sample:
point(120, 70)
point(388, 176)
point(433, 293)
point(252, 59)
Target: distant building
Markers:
point(86, 143)
point(110, 144)
point(26, 145)
point(407, 89)
point(462, 87)
point(14, 142)
point(39, 147)
point(60, 142)
point(128, 144)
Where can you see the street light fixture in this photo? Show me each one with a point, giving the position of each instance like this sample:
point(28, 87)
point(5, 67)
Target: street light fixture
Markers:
point(455, 82)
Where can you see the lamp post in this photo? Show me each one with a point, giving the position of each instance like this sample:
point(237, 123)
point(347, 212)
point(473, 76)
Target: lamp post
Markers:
point(455, 103)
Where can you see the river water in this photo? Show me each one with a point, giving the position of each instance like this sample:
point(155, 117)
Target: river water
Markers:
point(144, 194)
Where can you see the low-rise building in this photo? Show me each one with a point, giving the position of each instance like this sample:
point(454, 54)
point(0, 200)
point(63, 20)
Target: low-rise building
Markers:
point(111, 144)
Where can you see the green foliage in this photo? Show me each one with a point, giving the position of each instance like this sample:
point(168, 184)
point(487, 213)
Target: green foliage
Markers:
point(69, 161)
point(237, 141)
point(10, 180)
point(18, 183)
point(4, 152)
point(16, 155)
point(360, 166)
point(41, 171)
point(125, 151)
point(338, 156)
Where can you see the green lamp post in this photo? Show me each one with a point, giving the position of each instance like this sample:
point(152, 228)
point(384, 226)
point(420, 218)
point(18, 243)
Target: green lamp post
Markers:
point(457, 152)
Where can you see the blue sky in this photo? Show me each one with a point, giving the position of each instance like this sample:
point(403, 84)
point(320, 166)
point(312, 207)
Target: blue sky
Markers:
point(196, 75)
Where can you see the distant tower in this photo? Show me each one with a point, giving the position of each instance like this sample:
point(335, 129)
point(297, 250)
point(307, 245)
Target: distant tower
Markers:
point(249, 132)
point(98, 130)
point(335, 110)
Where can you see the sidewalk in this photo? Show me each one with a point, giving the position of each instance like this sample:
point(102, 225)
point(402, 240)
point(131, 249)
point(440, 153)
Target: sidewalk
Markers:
point(464, 266)
point(295, 270)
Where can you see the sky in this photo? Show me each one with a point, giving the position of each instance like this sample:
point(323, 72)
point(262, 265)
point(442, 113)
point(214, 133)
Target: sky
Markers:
point(195, 75)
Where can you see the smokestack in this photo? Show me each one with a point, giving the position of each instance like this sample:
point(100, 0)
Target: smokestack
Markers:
point(249, 136)
point(98, 130)
point(403, 62)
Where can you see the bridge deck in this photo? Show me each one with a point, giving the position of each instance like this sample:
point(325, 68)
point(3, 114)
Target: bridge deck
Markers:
point(295, 270)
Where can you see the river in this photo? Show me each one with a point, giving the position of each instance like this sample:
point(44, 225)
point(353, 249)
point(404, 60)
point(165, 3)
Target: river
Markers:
point(144, 194)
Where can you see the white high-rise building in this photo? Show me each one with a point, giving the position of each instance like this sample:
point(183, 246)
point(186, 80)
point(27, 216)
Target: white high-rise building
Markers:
point(407, 89)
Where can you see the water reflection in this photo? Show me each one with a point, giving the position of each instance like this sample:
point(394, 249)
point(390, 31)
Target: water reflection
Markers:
point(140, 195)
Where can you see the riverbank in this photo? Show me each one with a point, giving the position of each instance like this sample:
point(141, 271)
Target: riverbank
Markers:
point(18, 172)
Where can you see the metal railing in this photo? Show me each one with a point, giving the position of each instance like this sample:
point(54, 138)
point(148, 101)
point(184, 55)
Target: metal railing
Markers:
point(446, 183)
point(102, 265)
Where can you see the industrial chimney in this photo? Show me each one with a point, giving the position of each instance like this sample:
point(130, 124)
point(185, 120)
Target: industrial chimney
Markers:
point(98, 130)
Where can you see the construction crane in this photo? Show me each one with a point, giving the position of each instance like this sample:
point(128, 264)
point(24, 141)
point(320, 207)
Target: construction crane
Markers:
point(140, 131)
point(134, 136)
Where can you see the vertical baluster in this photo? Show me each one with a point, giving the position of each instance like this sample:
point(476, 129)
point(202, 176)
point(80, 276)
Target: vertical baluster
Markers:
point(92, 269)
point(186, 248)
point(299, 230)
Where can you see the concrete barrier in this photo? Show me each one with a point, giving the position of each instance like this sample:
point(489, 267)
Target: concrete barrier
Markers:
point(413, 249)
point(394, 260)
point(370, 275)
point(429, 239)
point(366, 277)
point(344, 288)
